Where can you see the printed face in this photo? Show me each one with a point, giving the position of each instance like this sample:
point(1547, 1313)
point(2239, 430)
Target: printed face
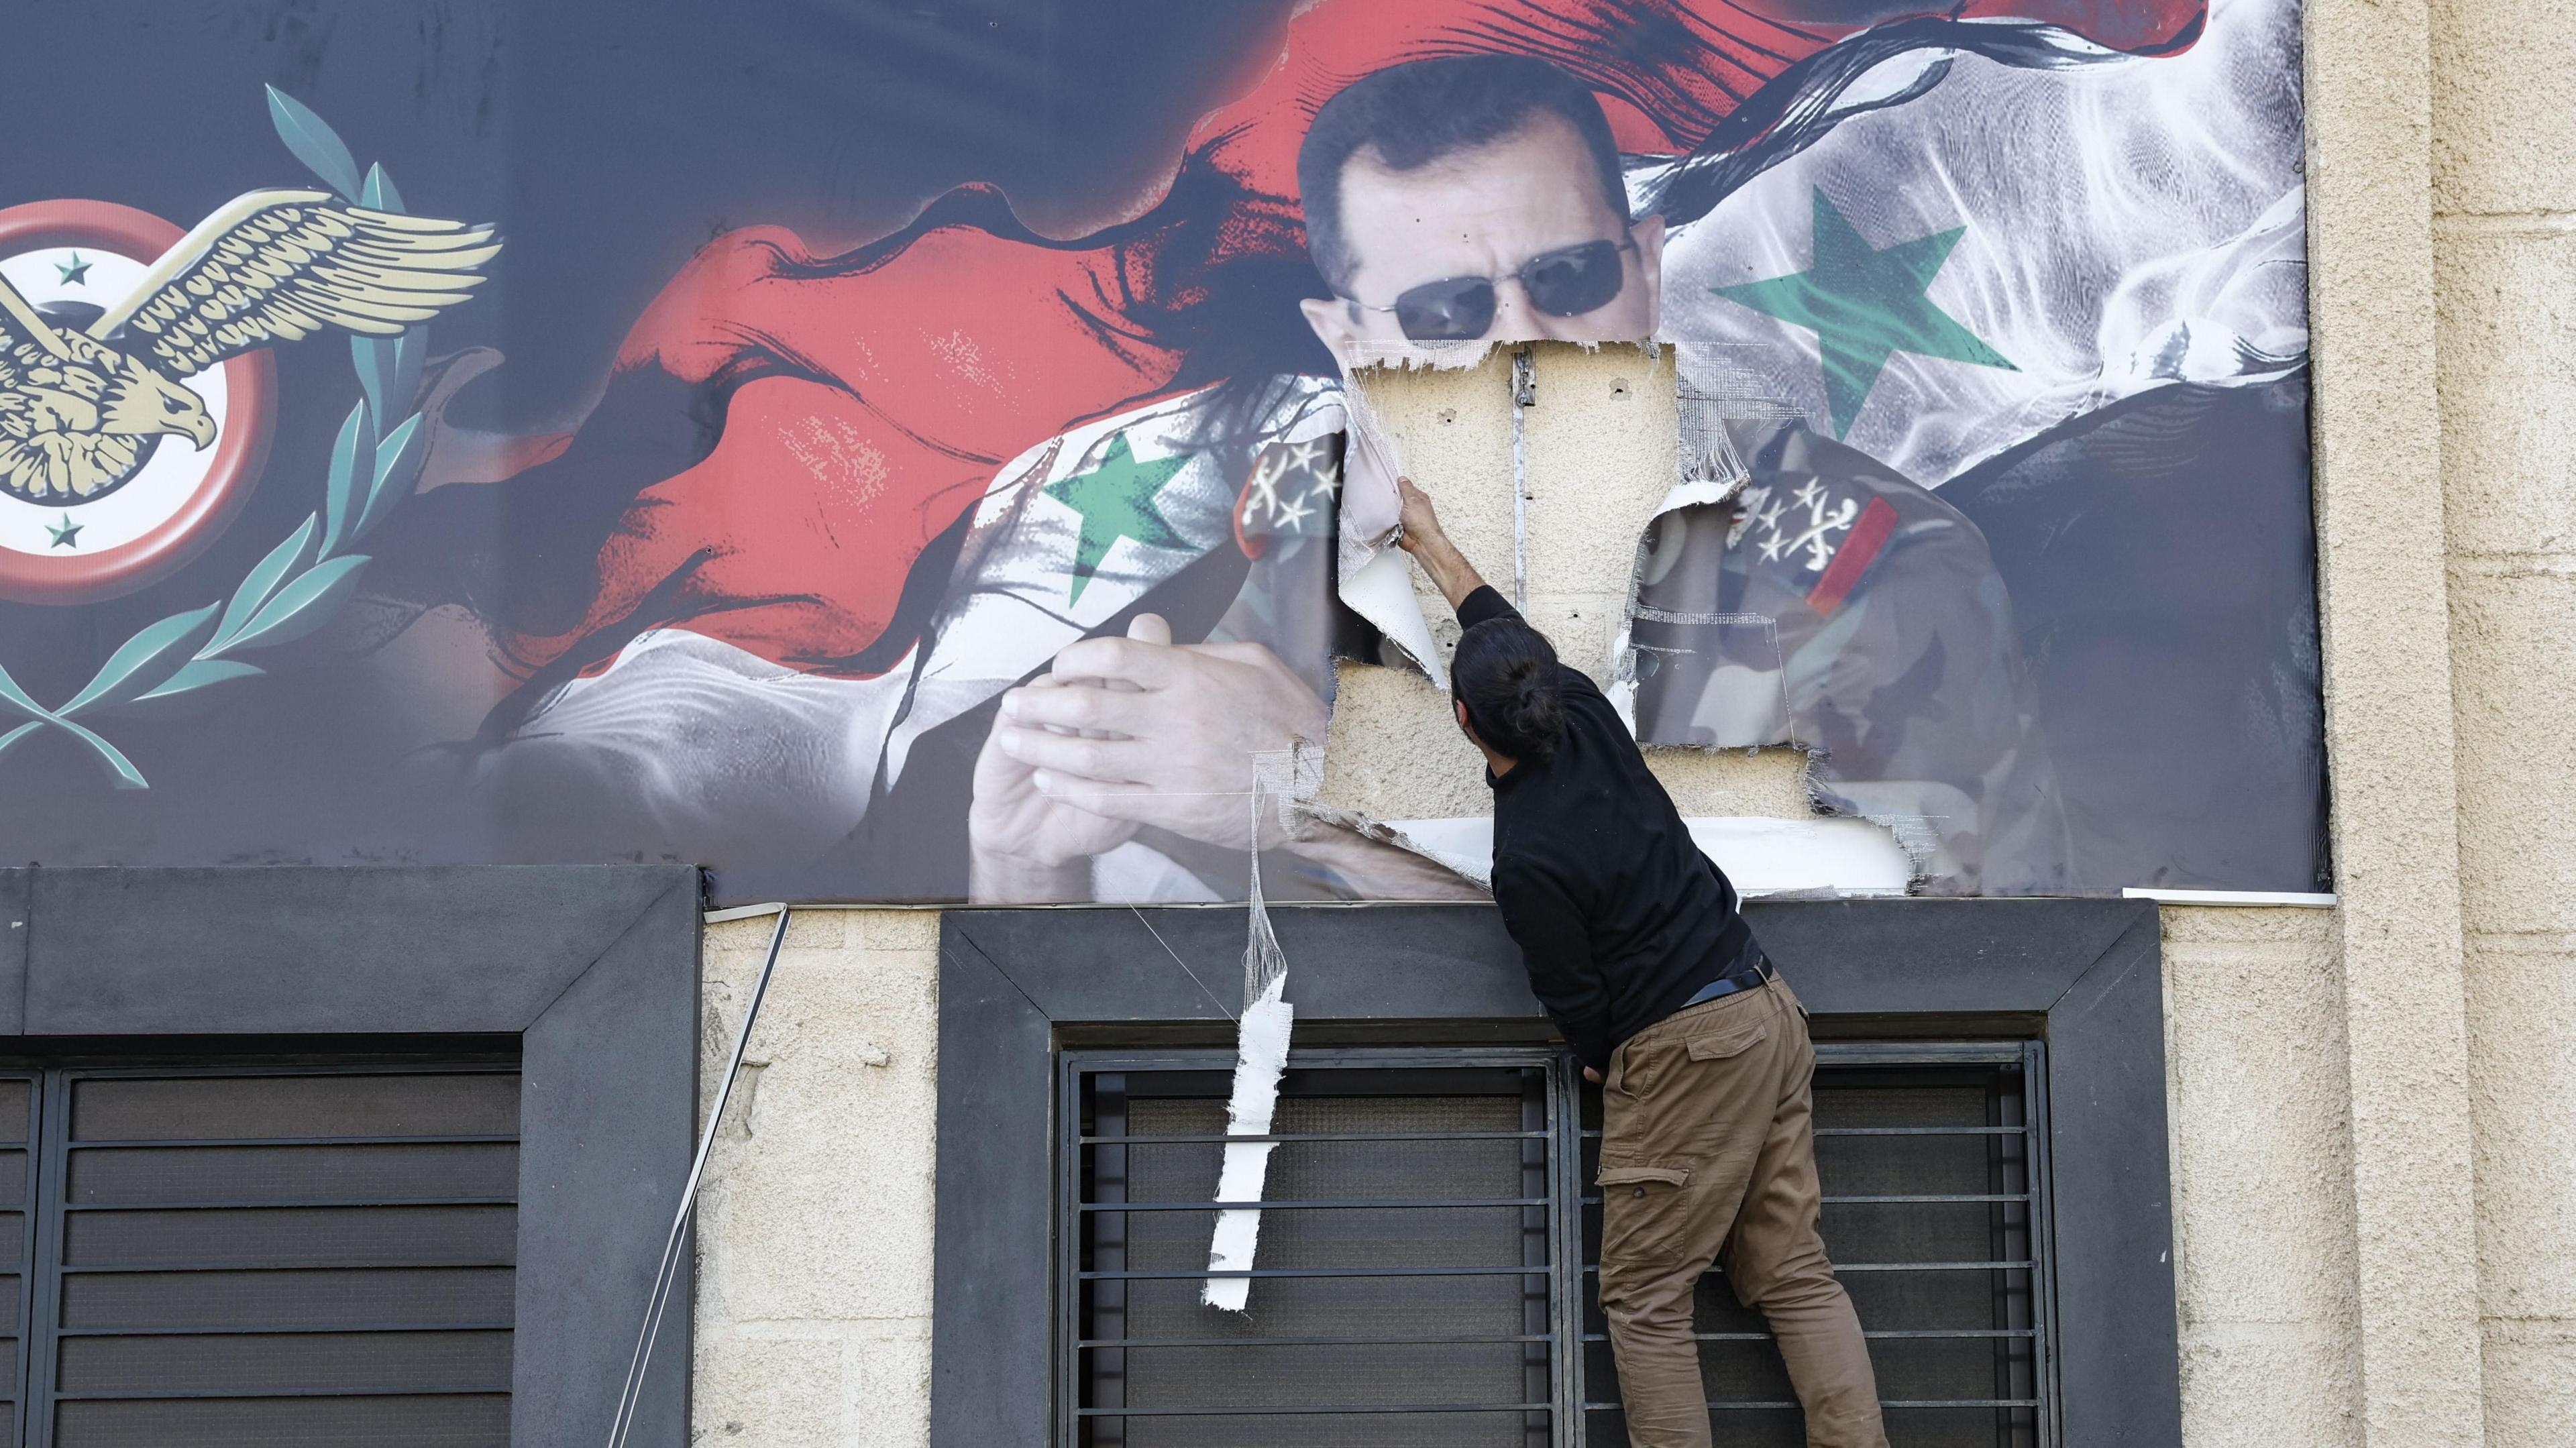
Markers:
point(1511, 241)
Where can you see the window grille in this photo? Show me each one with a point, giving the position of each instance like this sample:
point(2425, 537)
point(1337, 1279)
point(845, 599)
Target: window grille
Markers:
point(1929, 1157)
point(1425, 1276)
point(264, 1255)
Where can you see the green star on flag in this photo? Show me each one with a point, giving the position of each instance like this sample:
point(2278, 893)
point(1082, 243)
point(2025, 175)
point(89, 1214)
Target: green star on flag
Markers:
point(66, 533)
point(76, 274)
point(1116, 500)
point(1864, 303)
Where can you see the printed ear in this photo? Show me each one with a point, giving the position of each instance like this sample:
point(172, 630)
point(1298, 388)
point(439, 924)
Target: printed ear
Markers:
point(1330, 317)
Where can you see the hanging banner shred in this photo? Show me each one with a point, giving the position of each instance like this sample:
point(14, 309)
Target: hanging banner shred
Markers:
point(1261, 1058)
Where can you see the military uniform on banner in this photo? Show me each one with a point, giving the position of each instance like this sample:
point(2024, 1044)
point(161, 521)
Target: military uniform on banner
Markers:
point(1832, 605)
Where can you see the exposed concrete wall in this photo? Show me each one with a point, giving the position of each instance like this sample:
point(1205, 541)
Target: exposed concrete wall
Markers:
point(1602, 448)
point(2505, 195)
point(814, 1229)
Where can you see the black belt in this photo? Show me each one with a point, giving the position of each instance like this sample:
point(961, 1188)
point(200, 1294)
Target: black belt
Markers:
point(1754, 977)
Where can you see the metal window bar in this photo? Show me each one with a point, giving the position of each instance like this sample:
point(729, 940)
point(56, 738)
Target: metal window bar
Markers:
point(1541, 1378)
point(2020, 1392)
point(1560, 1336)
point(1099, 1273)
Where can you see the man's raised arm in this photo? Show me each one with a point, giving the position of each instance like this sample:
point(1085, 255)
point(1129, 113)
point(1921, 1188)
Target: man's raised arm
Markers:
point(1450, 571)
point(1474, 599)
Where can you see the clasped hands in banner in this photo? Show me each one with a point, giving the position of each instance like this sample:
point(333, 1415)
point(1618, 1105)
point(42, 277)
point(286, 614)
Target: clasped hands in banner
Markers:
point(1127, 734)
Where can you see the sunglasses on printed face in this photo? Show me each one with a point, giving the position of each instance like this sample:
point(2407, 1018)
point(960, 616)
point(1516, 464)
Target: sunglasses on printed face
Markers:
point(1567, 282)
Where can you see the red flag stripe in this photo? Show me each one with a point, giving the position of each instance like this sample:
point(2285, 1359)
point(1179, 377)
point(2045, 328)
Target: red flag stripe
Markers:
point(1868, 536)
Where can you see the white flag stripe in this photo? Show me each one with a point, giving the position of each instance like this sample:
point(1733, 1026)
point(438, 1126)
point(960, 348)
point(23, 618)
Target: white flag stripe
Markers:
point(2143, 226)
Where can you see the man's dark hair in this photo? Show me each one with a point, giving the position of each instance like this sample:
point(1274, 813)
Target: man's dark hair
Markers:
point(1505, 672)
point(1414, 114)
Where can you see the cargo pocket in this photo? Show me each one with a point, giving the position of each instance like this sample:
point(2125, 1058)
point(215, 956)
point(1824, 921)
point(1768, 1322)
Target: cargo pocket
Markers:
point(1718, 1045)
point(1634, 1067)
point(1643, 1218)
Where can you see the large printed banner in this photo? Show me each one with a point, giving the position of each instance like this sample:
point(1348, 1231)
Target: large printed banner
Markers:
point(888, 453)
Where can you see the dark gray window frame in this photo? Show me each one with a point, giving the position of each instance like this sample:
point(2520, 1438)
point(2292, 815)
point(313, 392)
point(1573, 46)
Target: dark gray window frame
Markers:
point(1016, 985)
point(593, 968)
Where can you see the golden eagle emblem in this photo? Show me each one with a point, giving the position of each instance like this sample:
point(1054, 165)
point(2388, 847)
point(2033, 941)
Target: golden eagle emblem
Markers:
point(81, 410)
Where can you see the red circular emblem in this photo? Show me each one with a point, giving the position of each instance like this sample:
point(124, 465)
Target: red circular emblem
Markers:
point(80, 524)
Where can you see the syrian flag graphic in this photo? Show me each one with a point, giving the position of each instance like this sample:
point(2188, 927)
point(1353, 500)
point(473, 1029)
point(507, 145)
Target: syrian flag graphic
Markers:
point(2068, 296)
point(1080, 528)
point(1938, 280)
point(712, 741)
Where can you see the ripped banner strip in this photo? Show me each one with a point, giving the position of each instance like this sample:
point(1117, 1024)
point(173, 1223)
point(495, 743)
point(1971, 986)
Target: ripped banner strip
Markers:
point(1261, 1058)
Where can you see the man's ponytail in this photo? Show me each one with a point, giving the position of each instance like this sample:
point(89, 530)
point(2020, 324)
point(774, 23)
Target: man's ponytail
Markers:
point(1506, 674)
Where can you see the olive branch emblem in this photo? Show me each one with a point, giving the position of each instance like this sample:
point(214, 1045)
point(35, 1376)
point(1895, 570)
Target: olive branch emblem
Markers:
point(305, 581)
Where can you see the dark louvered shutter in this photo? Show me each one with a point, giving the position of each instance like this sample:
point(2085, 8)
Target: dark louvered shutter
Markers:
point(274, 1257)
point(17, 1129)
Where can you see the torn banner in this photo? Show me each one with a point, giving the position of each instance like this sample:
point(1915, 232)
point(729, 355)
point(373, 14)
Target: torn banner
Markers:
point(799, 558)
point(2023, 559)
point(1831, 605)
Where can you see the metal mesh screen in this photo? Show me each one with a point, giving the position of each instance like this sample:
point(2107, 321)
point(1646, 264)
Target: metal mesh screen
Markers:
point(1419, 1281)
point(270, 1256)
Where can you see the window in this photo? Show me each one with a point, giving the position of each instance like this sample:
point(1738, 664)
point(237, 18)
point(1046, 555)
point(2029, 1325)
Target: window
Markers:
point(1427, 1241)
point(261, 1255)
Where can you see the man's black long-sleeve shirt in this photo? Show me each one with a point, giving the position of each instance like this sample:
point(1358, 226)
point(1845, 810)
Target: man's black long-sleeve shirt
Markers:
point(1619, 917)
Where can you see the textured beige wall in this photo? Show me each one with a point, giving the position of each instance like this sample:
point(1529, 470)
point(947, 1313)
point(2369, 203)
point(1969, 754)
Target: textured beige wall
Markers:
point(2262, 1158)
point(814, 1248)
point(2388, 721)
point(2505, 242)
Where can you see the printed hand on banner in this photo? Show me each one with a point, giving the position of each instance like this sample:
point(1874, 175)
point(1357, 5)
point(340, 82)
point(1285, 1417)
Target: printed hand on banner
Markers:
point(1153, 733)
point(1017, 815)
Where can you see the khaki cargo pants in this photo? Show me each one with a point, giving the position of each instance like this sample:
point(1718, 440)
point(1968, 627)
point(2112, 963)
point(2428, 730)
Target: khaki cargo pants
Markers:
point(1708, 1155)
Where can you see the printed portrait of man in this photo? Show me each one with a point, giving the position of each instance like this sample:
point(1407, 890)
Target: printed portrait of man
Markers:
point(1446, 201)
point(1831, 604)
point(804, 422)
point(1473, 199)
